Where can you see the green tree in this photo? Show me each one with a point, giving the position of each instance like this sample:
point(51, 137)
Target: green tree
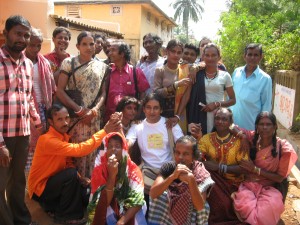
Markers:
point(186, 10)
point(273, 23)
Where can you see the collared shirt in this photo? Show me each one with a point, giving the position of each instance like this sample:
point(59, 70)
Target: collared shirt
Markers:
point(52, 155)
point(121, 84)
point(253, 95)
point(16, 101)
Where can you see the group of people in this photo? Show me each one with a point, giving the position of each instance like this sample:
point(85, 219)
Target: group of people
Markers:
point(153, 143)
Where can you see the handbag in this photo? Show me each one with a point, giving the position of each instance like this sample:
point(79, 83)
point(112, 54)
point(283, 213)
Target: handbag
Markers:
point(149, 176)
point(75, 94)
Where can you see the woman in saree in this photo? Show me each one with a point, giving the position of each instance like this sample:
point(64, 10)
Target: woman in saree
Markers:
point(171, 81)
point(89, 75)
point(222, 155)
point(205, 96)
point(43, 85)
point(117, 186)
point(257, 201)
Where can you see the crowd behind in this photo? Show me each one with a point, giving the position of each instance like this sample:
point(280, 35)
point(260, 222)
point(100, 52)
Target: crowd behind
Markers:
point(174, 139)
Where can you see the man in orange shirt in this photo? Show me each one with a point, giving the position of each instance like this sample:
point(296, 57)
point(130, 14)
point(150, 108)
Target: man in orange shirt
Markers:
point(53, 180)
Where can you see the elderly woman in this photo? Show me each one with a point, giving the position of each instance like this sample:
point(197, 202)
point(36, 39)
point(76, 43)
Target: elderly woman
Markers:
point(43, 86)
point(257, 201)
point(221, 152)
point(117, 185)
point(86, 75)
point(178, 195)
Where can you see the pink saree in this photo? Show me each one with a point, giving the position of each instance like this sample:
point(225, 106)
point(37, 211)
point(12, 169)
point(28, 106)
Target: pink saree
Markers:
point(256, 202)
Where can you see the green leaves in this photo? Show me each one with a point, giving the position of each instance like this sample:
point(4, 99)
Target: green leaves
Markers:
point(273, 23)
point(186, 10)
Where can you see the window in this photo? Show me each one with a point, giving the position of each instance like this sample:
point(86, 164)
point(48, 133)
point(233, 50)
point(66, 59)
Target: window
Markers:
point(73, 11)
point(116, 10)
point(149, 17)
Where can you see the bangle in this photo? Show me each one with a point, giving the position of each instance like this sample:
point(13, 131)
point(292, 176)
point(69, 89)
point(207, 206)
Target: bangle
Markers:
point(79, 111)
point(220, 104)
point(109, 189)
point(258, 171)
point(178, 117)
point(216, 104)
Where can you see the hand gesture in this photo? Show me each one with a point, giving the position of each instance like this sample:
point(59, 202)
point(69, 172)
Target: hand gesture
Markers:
point(180, 169)
point(209, 107)
point(112, 166)
point(113, 125)
point(184, 82)
point(196, 130)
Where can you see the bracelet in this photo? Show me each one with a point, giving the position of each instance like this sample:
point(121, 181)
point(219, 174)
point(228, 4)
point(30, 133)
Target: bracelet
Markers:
point(220, 104)
point(79, 111)
point(216, 104)
point(109, 189)
point(258, 171)
point(178, 117)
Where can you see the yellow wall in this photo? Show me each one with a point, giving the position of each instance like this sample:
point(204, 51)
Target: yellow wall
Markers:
point(36, 11)
point(133, 22)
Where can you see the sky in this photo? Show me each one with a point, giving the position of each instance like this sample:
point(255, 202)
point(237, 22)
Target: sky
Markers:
point(209, 24)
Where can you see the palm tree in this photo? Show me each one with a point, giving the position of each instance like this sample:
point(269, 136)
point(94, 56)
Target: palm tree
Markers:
point(187, 9)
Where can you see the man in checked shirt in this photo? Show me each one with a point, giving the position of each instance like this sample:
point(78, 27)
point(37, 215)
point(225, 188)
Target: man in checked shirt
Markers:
point(16, 110)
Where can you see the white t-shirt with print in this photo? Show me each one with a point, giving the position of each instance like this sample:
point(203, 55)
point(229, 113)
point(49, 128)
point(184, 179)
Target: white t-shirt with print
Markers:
point(153, 141)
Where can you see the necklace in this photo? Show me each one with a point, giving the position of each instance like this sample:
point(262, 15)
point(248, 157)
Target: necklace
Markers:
point(222, 139)
point(210, 78)
point(265, 155)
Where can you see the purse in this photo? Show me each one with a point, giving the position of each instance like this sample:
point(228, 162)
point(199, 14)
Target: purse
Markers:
point(149, 176)
point(75, 94)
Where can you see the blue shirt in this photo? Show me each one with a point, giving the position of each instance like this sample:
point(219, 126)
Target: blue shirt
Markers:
point(253, 95)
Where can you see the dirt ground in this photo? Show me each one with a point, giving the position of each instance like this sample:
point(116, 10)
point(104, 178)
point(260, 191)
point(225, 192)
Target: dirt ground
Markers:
point(290, 216)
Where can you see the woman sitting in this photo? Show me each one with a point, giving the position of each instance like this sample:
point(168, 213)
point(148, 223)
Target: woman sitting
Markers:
point(117, 185)
point(257, 202)
point(221, 151)
point(178, 195)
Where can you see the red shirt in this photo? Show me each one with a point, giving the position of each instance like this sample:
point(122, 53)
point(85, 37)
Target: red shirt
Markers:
point(122, 84)
point(16, 101)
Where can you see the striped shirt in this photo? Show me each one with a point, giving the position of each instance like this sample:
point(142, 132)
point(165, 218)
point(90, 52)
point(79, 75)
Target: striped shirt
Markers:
point(16, 102)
